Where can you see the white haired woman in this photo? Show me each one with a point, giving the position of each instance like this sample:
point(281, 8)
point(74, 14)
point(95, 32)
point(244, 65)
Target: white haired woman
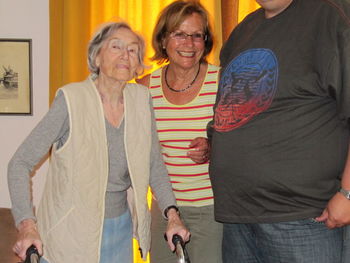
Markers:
point(104, 142)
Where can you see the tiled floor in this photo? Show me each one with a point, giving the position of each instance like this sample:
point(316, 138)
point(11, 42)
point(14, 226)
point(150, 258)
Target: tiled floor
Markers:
point(8, 234)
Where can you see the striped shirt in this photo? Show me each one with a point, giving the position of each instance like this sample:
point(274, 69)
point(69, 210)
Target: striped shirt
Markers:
point(177, 126)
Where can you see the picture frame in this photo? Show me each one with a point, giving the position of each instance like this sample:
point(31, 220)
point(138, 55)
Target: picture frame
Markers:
point(15, 76)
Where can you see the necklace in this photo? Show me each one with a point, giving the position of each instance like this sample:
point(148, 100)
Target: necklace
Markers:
point(180, 90)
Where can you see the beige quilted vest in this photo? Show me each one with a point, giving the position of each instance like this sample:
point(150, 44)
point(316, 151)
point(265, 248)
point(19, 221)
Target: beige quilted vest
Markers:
point(71, 212)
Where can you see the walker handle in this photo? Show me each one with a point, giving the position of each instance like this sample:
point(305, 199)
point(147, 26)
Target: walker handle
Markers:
point(181, 252)
point(32, 255)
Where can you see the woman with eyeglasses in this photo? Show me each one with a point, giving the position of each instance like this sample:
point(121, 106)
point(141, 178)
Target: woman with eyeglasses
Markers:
point(183, 93)
point(104, 143)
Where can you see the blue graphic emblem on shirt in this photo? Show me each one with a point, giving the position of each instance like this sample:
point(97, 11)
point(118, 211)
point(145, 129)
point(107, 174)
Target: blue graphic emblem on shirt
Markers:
point(247, 88)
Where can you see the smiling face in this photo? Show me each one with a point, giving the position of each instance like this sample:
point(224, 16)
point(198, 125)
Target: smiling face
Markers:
point(188, 51)
point(118, 59)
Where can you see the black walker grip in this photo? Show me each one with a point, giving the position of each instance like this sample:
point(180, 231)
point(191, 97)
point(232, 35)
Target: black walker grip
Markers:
point(32, 255)
point(180, 249)
point(178, 239)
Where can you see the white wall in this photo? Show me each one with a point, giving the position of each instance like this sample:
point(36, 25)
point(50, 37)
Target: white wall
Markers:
point(25, 19)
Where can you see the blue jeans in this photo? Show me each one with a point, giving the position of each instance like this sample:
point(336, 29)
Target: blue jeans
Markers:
point(116, 243)
point(303, 241)
point(117, 240)
point(346, 247)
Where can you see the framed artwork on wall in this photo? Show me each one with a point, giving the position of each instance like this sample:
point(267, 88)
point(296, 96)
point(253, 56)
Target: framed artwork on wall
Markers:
point(15, 76)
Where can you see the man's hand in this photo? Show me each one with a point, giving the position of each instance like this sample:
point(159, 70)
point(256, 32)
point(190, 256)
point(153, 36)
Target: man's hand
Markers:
point(200, 150)
point(337, 212)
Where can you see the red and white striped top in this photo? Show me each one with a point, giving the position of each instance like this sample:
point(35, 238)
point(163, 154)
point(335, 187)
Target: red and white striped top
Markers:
point(177, 126)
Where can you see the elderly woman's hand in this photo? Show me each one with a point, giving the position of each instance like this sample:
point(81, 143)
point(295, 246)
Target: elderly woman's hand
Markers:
point(27, 235)
point(200, 150)
point(176, 226)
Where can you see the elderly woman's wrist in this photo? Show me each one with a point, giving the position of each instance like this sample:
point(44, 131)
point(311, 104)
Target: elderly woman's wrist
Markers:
point(171, 211)
point(27, 224)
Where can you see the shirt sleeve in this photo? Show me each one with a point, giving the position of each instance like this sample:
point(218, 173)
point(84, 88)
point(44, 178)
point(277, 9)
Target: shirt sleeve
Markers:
point(54, 127)
point(159, 179)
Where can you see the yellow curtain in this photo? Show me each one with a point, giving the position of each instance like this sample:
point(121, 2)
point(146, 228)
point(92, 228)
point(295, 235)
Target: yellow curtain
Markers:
point(72, 23)
point(233, 12)
point(245, 7)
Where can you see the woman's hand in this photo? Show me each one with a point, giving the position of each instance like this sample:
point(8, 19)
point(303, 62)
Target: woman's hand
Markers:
point(199, 152)
point(27, 235)
point(175, 226)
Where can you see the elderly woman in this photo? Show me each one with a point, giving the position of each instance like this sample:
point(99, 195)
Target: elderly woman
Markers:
point(183, 93)
point(104, 142)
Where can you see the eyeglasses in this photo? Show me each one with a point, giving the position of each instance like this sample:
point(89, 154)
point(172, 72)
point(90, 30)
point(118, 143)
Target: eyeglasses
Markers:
point(182, 36)
point(118, 46)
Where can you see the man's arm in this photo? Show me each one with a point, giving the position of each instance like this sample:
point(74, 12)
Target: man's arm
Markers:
point(337, 212)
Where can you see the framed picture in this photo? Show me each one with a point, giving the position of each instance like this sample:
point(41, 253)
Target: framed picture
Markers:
point(15, 77)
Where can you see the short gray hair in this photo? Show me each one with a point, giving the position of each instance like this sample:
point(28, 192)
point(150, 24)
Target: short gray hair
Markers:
point(97, 42)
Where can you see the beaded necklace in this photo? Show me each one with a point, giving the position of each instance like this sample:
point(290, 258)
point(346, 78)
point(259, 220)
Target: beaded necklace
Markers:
point(180, 90)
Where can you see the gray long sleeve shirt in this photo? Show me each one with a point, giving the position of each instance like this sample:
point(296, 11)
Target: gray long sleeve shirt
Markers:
point(54, 128)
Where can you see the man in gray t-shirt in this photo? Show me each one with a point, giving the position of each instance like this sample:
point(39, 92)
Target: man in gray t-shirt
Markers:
point(280, 134)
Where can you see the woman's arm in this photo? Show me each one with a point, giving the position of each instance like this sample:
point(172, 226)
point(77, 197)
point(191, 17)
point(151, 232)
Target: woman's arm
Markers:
point(161, 187)
point(144, 80)
point(159, 179)
point(54, 127)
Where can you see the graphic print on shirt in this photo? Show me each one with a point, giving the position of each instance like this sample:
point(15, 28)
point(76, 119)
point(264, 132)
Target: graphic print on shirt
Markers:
point(247, 87)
